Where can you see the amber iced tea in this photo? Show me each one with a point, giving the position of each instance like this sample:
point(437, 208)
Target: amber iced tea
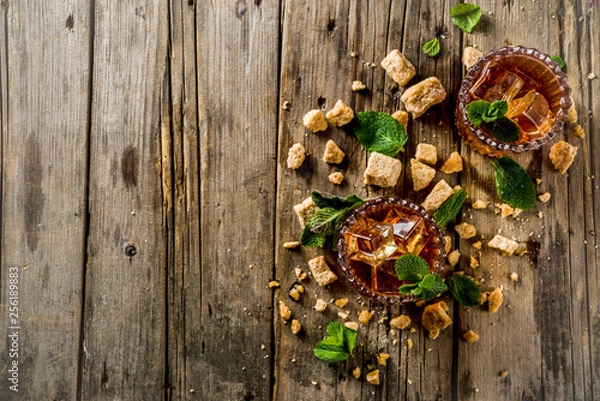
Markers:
point(376, 235)
point(534, 87)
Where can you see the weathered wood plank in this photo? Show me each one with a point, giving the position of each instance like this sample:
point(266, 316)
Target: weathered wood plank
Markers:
point(237, 46)
point(125, 312)
point(44, 97)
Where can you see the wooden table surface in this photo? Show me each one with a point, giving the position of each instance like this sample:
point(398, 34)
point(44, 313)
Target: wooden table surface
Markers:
point(146, 198)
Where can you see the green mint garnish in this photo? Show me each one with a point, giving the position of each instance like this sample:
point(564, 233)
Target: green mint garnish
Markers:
point(411, 268)
point(338, 346)
point(322, 226)
point(559, 60)
point(379, 132)
point(449, 209)
point(464, 290)
point(513, 184)
point(491, 115)
point(465, 16)
point(432, 48)
point(415, 270)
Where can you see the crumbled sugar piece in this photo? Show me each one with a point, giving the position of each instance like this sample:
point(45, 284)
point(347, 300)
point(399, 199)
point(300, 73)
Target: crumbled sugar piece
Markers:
point(273, 284)
point(454, 164)
point(291, 244)
point(296, 326)
point(356, 372)
point(422, 174)
point(503, 244)
point(398, 67)
point(503, 374)
point(336, 178)
point(435, 318)
point(296, 156)
point(321, 305)
point(373, 377)
point(421, 96)
point(343, 315)
point(341, 114)
point(401, 322)
point(315, 121)
point(591, 76)
point(517, 212)
point(514, 277)
point(305, 210)
point(545, 197)
point(284, 311)
point(296, 292)
point(465, 230)
point(453, 257)
point(409, 343)
point(470, 56)
point(358, 86)
point(572, 112)
point(341, 302)
point(474, 263)
point(321, 271)
point(579, 131)
point(426, 153)
point(382, 358)
point(402, 117)
point(447, 244)
point(506, 210)
point(333, 154)
point(470, 336)
point(382, 170)
point(438, 195)
point(285, 105)
point(562, 155)
point(479, 204)
point(476, 245)
point(352, 325)
point(301, 274)
point(494, 300)
point(365, 316)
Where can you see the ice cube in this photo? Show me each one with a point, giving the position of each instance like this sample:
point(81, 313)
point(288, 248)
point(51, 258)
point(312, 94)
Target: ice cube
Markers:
point(384, 278)
point(370, 241)
point(496, 83)
point(532, 114)
point(410, 232)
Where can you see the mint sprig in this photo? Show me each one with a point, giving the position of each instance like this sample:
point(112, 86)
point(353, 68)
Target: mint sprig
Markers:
point(379, 132)
point(465, 16)
point(338, 346)
point(424, 285)
point(449, 209)
point(491, 115)
point(559, 60)
point(432, 47)
point(513, 184)
point(323, 224)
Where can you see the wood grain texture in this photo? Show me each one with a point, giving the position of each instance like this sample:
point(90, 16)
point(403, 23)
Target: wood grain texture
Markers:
point(125, 313)
point(237, 47)
point(44, 81)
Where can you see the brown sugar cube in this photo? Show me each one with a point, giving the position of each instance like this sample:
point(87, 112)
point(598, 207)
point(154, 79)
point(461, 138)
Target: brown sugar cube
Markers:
point(305, 210)
point(365, 316)
point(321, 305)
point(321, 271)
point(579, 131)
point(333, 154)
point(341, 114)
point(401, 322)
point(296, 156)
point(358, 86)
point(356, 372)
point(435, 318)
point(545, 197)
point(470, 56)
point(284, 311)
point(426, 153)
point(315, 121)
point(382, 358)
point(465, 230)
point(422, 174)
point(402, 117)
point(382, 170)
point(438, 195)
point(373, 377)
point(454, 257)
point(454, 164)
point(562, 155)
point(398, 67)
point(340, 303)
point(503, 244)
point(421, 96)
point(296, 326)
point(336, 178)
point(470, 336)
point(494, 300)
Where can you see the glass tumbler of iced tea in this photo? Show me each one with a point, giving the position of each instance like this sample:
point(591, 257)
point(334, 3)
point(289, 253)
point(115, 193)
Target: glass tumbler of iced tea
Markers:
point(376, 234)
point(535, 88)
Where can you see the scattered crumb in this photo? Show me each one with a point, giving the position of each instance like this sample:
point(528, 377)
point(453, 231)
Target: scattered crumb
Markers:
point(454, 257)
point(341, 114)
point(474, 263)
point(365, 316)
point(321, 305)
point(285, 105)
point(426, 153)
point(517, 212)
point(398, 67)
point(315, 121)
point(296, 292)
point(382, 170)
point(373, 377)
point(447, 244)
point(296, 156)
point(435, 318)
point(291, 244)
point(409, 343)
point(321, 271)
point(454, 164)
point(336, 178)
point(301, 274)
point(356, 372)
point(470, 336)
point(506, 210)
point(305, 210)
point(343, 315)
point(358, 86)
point(538, 181)
point(341, 302)
point(333, 154)
point(401, 322)
point(545, 197)
point(352, 325)
point(465, 230)
point(562, 155)
point(438, 195)
point(284, 311)
point(296, 326)
point(422, 174)
point(470, 56)
point(482, 298)
point(521, 249)
point(514, 277)
point(273, 284)
point(402, 117)
point(591, 76)
point(572, 112)
point(503, 244)
point(494, 300)
point(503, 374)
point(476, 245)
point(579, 131)
point(479, 204)
point(382, 358)
point(421, 96)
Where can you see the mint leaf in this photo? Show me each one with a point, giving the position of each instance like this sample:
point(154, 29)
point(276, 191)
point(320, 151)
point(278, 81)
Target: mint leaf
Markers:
point(430, 287)
point(558, 60)
point(311, 239)
point(513, 184)
point(331, 353)
point(379, 132)
point(338, 346)
point(323, 200)
point(496, 110)
point(336, 331)
point(476, 110)
point(465, 16)
point(504, 129)
point(449, 209)
point(411, 268)
point(432, 47)
point(464, 290)
point(324, 220)
point(350, 339)
point(407, 289)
